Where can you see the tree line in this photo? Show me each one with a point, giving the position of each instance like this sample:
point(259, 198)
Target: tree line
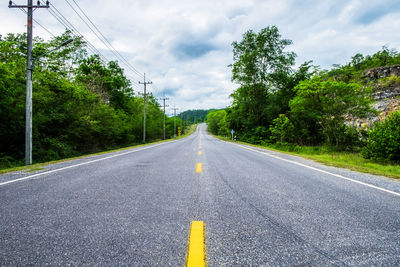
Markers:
point(278, 104)
point(81, 104)
point(194, 116)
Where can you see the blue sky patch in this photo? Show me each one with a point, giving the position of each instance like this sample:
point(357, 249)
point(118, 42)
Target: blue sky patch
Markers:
point(378, 11)
point(192, 50)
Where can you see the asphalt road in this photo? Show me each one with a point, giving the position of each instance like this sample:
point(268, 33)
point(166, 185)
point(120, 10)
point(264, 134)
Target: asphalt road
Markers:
point(260, 208)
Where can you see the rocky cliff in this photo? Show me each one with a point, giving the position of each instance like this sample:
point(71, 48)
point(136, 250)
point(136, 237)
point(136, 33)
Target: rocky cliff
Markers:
point(386, 84)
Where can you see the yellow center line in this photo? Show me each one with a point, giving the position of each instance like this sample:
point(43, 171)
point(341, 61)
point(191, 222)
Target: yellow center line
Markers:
point(199, 153)
point(199, 167)
point(196, 250)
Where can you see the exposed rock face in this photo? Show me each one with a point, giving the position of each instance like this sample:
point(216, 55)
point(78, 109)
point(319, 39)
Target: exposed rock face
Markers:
point(387, 98)
point(382, 72)
point(386, 107)
point(386, 93)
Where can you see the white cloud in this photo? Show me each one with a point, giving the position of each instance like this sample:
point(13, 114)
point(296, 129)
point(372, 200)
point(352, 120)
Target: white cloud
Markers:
point(185, 46)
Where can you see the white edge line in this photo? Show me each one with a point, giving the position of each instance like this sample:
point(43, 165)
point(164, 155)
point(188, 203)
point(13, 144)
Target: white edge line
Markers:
point(80, 164)
point(319, 170)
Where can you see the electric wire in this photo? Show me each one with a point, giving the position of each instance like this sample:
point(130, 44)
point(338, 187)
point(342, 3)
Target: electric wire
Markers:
point(74, 31)
point(66, 23)
point(94, 25)
point(37, 22)
point(103, 39)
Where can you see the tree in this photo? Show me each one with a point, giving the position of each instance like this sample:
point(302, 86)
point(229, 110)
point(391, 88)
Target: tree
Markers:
point(216, 121)
point(12, 97)
point(357, 60)
point(282, 129)
point(383, 141)
point(322, 107)
point(260, 58)
point(261, 67)
point(80, 104)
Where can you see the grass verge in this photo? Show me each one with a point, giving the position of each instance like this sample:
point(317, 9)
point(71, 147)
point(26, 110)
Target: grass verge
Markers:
point(39, 166)
point(347, 160)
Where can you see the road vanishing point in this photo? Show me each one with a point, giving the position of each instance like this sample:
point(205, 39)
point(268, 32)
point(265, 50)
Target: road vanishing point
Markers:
point(198, 201)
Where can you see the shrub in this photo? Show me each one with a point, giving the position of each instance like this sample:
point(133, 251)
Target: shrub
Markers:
point(282, 129)
point(383, 141)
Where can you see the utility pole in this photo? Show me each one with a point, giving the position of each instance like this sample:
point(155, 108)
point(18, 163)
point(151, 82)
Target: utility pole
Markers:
point(28, 116)
point(144, 106)
point(163, 99)
point(175, 109)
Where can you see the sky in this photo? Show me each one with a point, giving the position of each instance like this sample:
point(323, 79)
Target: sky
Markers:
point(184, 46)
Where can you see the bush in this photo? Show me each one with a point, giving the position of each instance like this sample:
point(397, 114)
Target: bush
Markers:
point(383, 141)
point(282, 129)
point(345, 138)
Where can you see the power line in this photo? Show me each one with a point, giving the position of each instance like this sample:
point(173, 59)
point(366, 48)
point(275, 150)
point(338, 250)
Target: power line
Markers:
point(37, 22)
point(68, 25)
point(72, 29)
point(104, 40)
point(94, 25)
point(100, 36)
point(75, 32)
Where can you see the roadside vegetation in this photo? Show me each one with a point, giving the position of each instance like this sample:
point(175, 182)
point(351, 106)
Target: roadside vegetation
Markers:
point(342, 159)
point(307, 110)
point(190, 129)
point(81, 104)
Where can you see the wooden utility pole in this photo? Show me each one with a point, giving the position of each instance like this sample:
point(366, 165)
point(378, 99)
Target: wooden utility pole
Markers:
point(163, 99)
point(144, 106)
point(28, 116)
point(175, 109)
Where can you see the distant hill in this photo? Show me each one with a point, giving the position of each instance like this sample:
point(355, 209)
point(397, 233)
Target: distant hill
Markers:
point(195, 115)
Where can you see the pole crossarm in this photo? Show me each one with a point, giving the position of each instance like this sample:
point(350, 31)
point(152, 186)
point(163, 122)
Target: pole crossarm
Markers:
point(12, 5)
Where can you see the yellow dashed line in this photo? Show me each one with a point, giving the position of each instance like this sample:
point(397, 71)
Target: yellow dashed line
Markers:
point(199, 153)
point(196, 251)
point(199, 167)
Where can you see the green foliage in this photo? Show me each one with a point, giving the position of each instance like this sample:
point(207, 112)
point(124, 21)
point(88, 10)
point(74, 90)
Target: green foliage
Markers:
point(80, 104)
point(12, 97)
point(322, 107)
point(260, 58)
point(384, 140)
point(319, 105)
point(266, 77)
point(388, 81)
point(217, 124)
point(169, 132)
point(282, 130)
point(359, 63)
point(194, 116)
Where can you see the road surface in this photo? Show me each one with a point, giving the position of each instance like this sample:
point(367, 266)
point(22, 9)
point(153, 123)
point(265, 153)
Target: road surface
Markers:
point(260, 208)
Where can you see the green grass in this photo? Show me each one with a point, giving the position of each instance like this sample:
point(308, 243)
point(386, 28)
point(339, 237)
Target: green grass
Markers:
point(36, 169)
point(347, 160)
point(39, 166)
